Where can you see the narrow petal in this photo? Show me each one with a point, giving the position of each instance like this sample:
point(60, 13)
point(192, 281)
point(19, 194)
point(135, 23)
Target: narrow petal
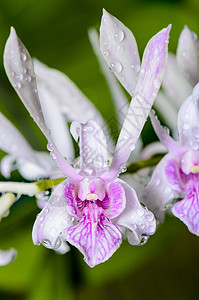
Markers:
point(66, 94)
point(149, 81)
point(56, 123)
point(138, 221)
point(17, 61)
point(159, 192)
point(174, 84)
point(187, 211)
point(96, 240)
point(153, 66)
point(188, 121)
point(52, 220)
point(7, 256)
point(119, 49)
point(164, 136)
point(93, 147)
point(188, 55)
point(19, 69)
point(120, 100)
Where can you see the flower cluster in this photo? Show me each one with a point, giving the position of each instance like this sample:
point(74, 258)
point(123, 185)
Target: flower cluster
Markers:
point(90, 207)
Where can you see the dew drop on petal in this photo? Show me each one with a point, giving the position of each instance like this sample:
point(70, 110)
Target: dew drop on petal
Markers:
point(140, 212)
point(186, 126)
point(18, 85)
point(57, 243)
point(47, 243)
point(132, 147)
point(119, 35)
point(123, 169)
point(144, 239)
point(150, 217)
point(106, 53)
point(23, 56)
point(116, 67)
point(137, 68)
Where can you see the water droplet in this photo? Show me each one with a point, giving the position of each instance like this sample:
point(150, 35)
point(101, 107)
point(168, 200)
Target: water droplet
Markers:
point(119, 35)
point(132, 147)
point(144, 239)
point(116, 67)
point(57, 243)
point(106, 52)
point(157, 182)
point(140, 212)
point(28, 78)
point(123, 169)
point(17, 85)
point(47, 243)
point(23, 56)
point(150, 217)
point(41, 218)
point(142, 226)
point(20, 76)
point(186, 126)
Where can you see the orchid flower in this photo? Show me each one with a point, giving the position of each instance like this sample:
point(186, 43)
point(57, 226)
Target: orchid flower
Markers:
point(177, 175)
point(181, 76)
point(93, 207)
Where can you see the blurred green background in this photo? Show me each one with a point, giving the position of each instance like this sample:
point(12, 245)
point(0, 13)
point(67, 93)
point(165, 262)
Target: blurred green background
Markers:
point(55, 31)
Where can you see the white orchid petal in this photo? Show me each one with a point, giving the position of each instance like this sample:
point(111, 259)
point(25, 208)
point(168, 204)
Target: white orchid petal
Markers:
point(45, 167)
point(188, 55)
point(12, 141)
point(174, 84)
point(7, 256)
point(17, 61)
point(56, 122)
point(64, 92)
point(119, 49)
point(149, 81)
point(93, 147)
point(159, 192)
point(121, 102)
point(19, 69)
point(52, 220)
point(138, 220)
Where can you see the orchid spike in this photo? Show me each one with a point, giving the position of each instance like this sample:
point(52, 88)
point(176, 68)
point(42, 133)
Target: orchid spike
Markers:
point(92, 206)
point(177, 174)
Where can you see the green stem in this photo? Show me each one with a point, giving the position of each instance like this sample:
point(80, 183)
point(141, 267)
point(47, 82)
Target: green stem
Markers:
point(152, 162)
